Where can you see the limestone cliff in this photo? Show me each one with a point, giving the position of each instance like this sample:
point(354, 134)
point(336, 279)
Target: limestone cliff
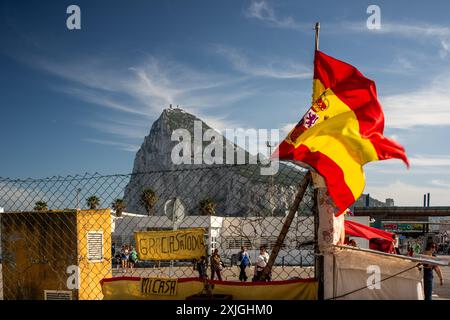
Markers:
point(238, 190)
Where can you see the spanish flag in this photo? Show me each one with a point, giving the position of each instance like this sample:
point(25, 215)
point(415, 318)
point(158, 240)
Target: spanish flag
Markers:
point(342, 131)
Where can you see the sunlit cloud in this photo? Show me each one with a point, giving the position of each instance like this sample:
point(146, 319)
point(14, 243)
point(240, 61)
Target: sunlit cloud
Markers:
point(407, 194)
point(426, 106)
point(140, 92)
point(440, 183)
point(263, 11)
point(277, 68)
point(119, 145)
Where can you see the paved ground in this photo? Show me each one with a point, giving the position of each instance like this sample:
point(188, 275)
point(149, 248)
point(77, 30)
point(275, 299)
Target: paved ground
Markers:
point(279, 273)
point(229, 273)
point(442, 292)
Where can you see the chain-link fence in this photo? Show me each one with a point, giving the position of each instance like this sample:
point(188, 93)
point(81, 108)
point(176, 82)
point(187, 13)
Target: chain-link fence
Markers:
point(61, 235)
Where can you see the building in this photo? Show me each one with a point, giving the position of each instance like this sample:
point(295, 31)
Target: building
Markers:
point(55, 254)
point(414, 225)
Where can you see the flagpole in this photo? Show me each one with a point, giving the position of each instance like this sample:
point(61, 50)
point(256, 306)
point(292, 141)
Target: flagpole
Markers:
point(316, 48)
point(317, 28)
point(295, 205)
point(319, 258)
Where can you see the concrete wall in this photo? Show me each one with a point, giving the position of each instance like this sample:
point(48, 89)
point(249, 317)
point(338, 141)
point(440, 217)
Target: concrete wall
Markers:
point(37, 248)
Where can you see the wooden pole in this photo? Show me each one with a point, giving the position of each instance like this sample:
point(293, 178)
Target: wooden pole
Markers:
point(287, 223)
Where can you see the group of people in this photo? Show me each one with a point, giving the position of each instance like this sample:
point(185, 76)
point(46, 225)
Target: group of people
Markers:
point(215, 262)
point(244, 262)
point(126, 258)
point(216, 265)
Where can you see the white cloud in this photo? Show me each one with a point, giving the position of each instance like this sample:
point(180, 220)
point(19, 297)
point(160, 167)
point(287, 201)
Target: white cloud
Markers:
point(19, 195)
point(146, 88)
point(430, 161)
point(445, 48)
point(440, 183)
point(286, 128)
point(270, 67)
point(417, 30)
point(401, 65)
point(417, 161)
point(405, 194)
point(120, 145)
point(140, 92)
point(421, 165)
point(437, 35)
point(426, 106)
point(263, 11)
point(130, 129)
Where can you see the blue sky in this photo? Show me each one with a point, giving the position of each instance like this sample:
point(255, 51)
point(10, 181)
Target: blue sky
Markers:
point(82, 101)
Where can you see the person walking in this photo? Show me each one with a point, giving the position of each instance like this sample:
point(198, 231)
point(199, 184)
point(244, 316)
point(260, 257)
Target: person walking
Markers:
point(428, 272)
point(261, 263)
point(410, 252)
point(124, 257)
point(244, 262)
point(133, 258)
point(201, 267)
point(216, 265)
point(395, 243)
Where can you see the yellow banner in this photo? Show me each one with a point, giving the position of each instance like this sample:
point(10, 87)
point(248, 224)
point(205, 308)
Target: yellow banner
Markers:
point(120, 289)
point(171, 245)
point(159, 286)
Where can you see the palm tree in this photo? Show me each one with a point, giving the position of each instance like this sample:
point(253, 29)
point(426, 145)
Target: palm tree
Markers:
point(148, 199)
point(118, 205)
point(207, 207)
point(41, 206)
point(93, 202)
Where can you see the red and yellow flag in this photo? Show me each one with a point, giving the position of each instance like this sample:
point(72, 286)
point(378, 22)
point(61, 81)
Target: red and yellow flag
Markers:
point(342, 131)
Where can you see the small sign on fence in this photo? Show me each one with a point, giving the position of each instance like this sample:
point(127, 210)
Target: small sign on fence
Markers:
point(159, 286)
point(171, 245)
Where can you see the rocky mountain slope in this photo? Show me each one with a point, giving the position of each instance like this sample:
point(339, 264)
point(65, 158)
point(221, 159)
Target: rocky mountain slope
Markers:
point(237, 190)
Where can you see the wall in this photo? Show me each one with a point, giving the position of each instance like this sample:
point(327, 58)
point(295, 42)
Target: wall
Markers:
point(91, 273)
point(37, 248)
